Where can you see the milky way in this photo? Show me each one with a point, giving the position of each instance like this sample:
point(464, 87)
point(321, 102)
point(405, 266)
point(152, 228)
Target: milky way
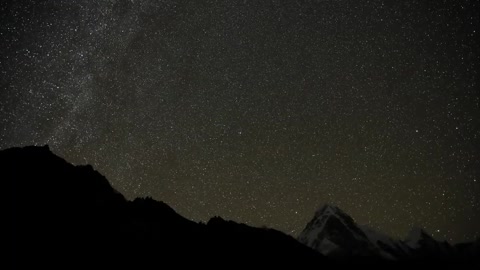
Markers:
point(258, 111)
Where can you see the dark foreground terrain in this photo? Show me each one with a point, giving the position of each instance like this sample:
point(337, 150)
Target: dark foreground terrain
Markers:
point(65, 216)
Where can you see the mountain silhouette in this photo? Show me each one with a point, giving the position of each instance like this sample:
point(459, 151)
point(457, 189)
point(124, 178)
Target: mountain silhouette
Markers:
point(334, 233)
point(65, 216)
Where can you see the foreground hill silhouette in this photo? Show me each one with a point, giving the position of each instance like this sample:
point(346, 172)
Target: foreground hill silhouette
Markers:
point(69, 216)
point(65, 216)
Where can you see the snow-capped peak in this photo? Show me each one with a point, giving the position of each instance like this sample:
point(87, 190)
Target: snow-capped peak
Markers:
point(319, 221)
point(327, 209)
point(334, 233)
point(331, 229)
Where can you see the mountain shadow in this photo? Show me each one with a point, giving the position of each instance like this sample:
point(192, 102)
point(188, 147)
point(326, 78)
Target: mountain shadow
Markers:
point(66, 216)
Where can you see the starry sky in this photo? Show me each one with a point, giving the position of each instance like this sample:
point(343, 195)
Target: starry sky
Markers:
point(258, 111)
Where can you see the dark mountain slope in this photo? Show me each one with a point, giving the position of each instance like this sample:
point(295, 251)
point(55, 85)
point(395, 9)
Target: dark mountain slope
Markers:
point(65, 216)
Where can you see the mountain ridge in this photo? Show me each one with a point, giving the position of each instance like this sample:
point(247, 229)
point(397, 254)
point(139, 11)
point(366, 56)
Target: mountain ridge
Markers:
point(322, 234)
point(60, 215)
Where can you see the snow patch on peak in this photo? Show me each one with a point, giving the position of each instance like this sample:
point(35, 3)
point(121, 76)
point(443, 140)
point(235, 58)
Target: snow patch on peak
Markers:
point(310, 234)
point(320, 228)
point(327, 246)
point(327, 209)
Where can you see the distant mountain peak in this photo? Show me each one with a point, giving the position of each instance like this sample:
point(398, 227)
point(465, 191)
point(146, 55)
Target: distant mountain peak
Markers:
point(331, 230)
point(327, 209)
point(334, 233)
point(415, 233)
point(416, 236)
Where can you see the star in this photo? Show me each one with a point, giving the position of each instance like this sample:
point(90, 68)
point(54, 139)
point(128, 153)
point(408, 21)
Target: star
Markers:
point(260, 110)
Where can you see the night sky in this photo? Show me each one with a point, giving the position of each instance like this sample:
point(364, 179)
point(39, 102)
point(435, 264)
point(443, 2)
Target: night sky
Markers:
point(258, 111)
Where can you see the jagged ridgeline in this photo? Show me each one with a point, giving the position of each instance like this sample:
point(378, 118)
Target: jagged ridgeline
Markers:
point(65, 216)
point(335, 234)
